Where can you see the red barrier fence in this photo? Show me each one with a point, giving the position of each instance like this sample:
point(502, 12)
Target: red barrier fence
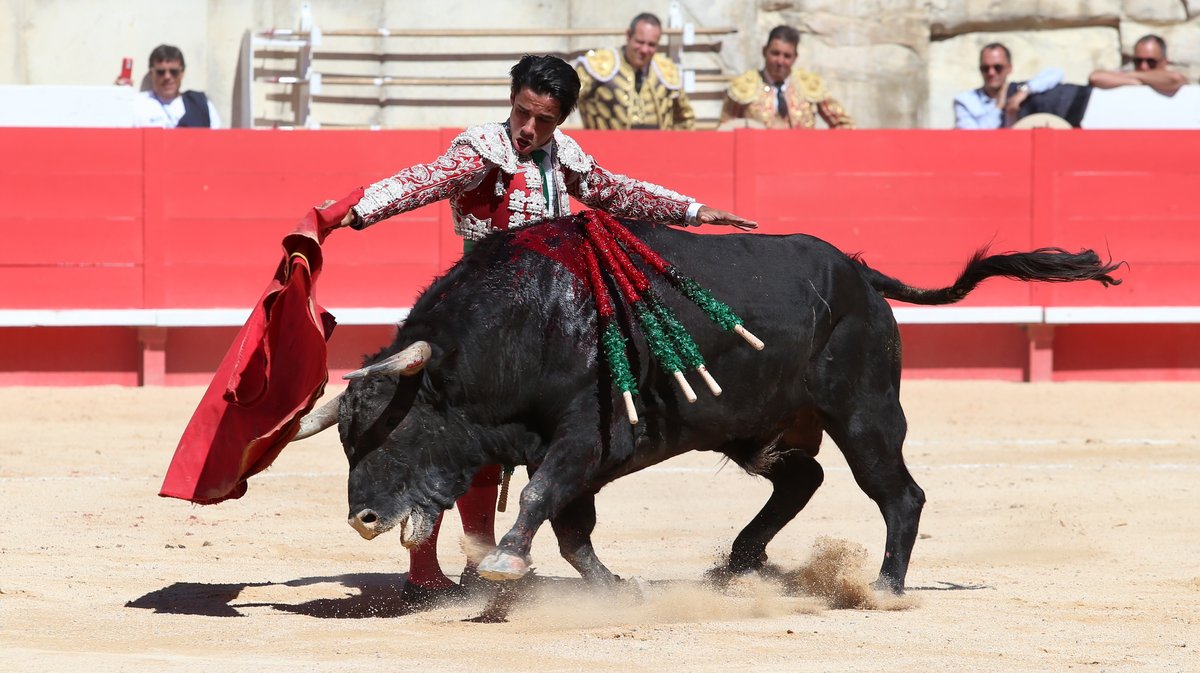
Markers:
point(156, 220)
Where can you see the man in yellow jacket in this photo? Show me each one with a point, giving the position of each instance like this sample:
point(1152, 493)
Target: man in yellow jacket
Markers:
point(780, 96)
point(633, 87)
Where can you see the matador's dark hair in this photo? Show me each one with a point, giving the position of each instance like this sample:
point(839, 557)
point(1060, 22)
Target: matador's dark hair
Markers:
point(547, 75)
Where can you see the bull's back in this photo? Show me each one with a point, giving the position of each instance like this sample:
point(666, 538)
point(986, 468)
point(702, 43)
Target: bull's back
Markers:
point(792, 292)
point(749, 264)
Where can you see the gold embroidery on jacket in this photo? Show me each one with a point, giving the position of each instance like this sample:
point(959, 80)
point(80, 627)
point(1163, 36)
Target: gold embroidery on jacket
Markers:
point(609, 99)
point(750, 97)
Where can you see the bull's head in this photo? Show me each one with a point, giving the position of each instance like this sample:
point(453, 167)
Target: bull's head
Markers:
point(403, 445)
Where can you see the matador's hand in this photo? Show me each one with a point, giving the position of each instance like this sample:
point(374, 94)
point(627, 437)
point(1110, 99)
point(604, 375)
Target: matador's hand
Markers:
point(346, 221)
point(708, 215)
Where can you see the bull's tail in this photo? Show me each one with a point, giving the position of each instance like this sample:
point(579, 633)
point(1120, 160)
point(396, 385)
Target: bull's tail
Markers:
point(1053, 265)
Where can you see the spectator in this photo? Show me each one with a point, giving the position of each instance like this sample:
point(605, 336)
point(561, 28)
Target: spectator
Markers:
point(780, 96)
point(163, 105)
point(634, 87)
point(503, 176)
point(996, 104)
point(1149, 68)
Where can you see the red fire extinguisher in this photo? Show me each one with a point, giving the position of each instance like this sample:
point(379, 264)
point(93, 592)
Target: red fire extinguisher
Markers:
point(126, 76)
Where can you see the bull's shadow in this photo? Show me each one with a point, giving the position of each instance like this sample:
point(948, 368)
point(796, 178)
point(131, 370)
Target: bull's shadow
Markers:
point(378, 595)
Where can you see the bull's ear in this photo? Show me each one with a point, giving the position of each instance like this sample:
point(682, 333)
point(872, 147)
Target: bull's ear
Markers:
point(405, 363)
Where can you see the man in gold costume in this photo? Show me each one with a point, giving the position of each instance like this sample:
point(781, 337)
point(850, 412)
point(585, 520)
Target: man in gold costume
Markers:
point(780, 96)
point(634, 87)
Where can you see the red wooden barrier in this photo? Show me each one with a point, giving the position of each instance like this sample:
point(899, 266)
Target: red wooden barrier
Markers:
point(129, 219)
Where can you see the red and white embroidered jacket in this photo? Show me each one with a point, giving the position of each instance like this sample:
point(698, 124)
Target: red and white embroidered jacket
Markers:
point(490, 187)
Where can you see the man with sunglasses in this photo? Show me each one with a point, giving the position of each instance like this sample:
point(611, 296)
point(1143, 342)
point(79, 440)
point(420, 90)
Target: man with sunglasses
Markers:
point(1149, 68)
point(995, 104)
point(164, 105)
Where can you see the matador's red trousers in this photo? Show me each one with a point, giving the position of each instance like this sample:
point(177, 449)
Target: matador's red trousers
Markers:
point(477, 509)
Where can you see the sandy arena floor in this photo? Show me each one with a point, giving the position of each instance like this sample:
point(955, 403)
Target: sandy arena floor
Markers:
point(1062, 532)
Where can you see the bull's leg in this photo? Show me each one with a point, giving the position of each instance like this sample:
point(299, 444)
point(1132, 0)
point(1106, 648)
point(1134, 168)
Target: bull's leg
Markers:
point(573, 526)
point(795, 477)
point(900, 501)
point(871, 439)
point(561, 478)
point(859, 396)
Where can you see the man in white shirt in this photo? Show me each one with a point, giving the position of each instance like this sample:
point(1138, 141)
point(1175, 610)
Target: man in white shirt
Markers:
point(995, 104)
point(164, 106)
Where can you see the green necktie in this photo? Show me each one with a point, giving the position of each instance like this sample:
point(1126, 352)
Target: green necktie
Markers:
point(539, 156)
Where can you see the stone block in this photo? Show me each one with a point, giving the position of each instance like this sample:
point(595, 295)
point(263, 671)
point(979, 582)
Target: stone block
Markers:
point(956, 17)
point(1153, 10)
point(891, 96)
point(12, 47)
point(62, 47)
point(871, 54)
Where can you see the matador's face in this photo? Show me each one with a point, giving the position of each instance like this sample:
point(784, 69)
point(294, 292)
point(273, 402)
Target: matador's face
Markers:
point(533, 119)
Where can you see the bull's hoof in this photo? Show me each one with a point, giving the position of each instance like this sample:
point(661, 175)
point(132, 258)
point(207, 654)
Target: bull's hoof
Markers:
point(722, 576)
point(635, 589)
point(745, 563)
point(888, 584)
point(471, 581)
point(501, 566)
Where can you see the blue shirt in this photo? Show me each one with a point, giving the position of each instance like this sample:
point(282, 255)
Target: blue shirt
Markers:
point(975, 110)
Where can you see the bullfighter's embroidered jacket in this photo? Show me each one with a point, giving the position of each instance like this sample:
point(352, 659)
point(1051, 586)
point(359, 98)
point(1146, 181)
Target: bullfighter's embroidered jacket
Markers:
point(490, 187)
point(609, 98)
point(749, 96)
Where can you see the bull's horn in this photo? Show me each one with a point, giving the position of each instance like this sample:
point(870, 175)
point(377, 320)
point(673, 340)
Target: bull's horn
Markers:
point(319, 419)
point(405, 363)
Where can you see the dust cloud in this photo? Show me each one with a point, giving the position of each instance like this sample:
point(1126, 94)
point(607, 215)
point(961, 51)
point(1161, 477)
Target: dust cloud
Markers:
point(834, 578)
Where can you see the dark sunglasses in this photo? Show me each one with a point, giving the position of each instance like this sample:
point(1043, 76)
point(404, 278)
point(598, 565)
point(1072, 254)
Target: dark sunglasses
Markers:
point(175, 72)
point(1150, 62)
point(993, 67)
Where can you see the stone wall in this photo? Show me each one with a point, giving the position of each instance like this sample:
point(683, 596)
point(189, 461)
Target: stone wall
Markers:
point(892, 63)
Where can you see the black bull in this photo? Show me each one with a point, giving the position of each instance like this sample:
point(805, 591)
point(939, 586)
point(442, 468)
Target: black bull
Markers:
point(499, 362)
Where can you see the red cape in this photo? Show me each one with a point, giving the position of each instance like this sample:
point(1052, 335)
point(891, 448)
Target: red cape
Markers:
point(268, 380)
